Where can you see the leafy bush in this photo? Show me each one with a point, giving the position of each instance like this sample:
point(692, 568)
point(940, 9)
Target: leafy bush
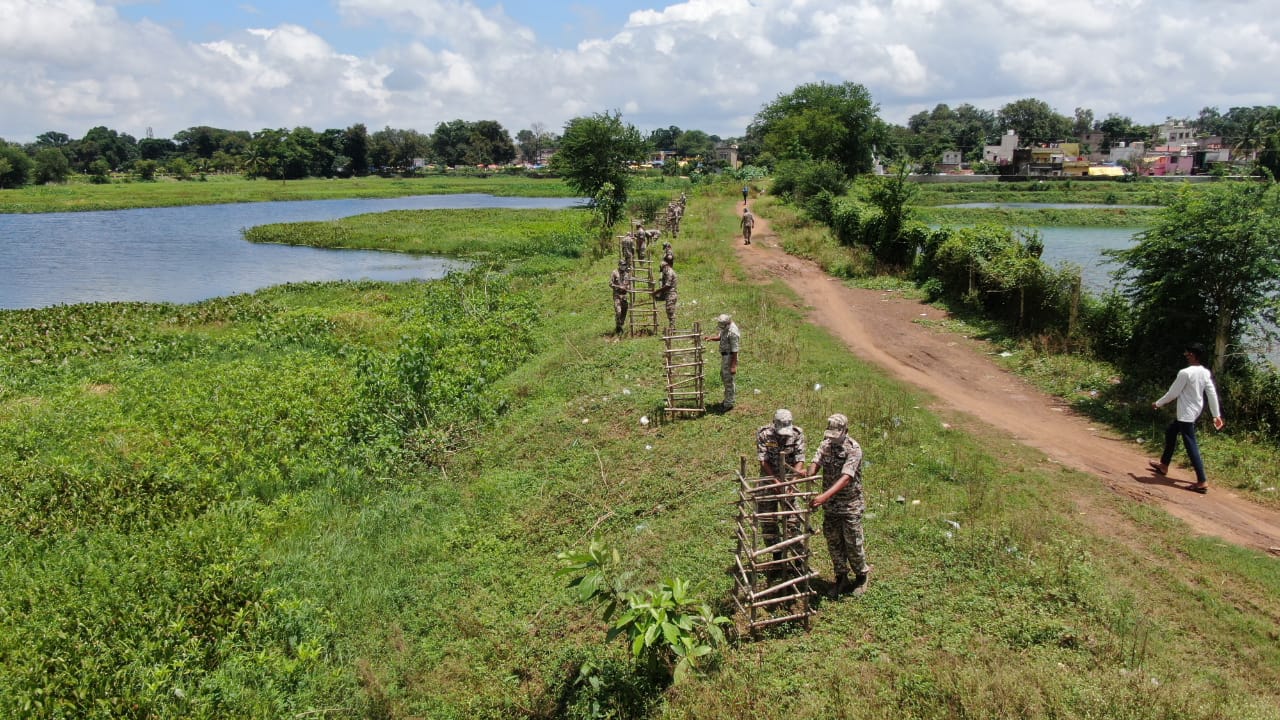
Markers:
point(668, 632)
point(799, 180)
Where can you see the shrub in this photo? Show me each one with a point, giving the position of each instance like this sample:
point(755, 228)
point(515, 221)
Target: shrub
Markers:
point(798, 180)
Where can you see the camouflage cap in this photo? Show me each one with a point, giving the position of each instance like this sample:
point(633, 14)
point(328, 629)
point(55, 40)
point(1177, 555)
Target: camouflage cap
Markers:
point(723, 320)
point(837, 425)
point(782, 423)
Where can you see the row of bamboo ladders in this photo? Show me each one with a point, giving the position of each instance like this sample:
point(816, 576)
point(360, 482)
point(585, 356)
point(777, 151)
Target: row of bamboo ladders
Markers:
point(773, 583)
point(643, 313)
point(683, 360)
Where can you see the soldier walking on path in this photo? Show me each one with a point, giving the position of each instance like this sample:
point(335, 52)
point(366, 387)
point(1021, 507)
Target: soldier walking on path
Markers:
point(780, 449)
point(840, 458)
point(730, 342)
point(748, 222)
point(668, 256)
point(620, 281)
point(745, 190)
point(667, 291)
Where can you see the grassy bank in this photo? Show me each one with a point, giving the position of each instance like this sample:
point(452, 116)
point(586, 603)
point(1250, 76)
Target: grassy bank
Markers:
point(470, 233)
point(1018, 217)
point(1138, 192)
point(122, 194)
point(411, 457)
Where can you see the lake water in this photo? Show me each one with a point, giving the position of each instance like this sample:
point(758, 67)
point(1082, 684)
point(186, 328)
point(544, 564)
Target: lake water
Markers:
point(186, 254)
point(1083, 247)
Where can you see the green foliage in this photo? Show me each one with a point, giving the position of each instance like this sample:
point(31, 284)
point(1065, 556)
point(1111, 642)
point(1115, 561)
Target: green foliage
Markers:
point(821, 122)
point(146, 170)
point(669, 633)
point(99, 172)
point(1034, 121)
point(1209, 269)
point(883, 233)
point(648, 207)
point(15, 166)
point(596, 151)
point(51, 166)
point(800, 180)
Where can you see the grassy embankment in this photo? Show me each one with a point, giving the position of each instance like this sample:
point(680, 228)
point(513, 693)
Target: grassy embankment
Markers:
point(335, 575)
point(79, 196)
point(1238, 459)
point(932, 195)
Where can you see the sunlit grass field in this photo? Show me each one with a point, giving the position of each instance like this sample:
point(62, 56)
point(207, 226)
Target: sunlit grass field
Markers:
point(345, 500)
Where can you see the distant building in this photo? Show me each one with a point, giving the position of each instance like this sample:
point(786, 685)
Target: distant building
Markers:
point(1057, 159)
point(1001, 154)
point(1174, 133)
point(544, 156)
point(728, 154)
point(951, 160)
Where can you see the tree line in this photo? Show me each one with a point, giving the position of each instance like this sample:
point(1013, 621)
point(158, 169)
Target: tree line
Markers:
point(288, 154)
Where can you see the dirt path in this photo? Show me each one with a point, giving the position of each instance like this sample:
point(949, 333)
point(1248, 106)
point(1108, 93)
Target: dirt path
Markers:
point(880, 327)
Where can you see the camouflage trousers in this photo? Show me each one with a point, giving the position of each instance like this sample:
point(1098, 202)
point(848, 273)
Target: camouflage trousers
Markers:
point(845, 541)
point(729, 380)
point(619, 311)
point(671, 310)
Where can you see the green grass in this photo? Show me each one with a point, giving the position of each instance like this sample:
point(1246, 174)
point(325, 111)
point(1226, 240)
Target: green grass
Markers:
point(467, 233)
point(1093, 217)
point(404, 566)
point(166, 192)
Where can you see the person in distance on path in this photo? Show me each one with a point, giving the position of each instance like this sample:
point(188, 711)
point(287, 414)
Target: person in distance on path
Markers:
point(1193, 384)
point(840, 458)
point(748, 222)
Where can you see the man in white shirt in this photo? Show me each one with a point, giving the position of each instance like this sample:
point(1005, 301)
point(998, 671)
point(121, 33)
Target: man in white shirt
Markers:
point(1193, 384)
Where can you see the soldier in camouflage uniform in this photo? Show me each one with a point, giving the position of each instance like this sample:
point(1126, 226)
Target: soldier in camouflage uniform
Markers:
point(642, 241)
point(780, 450)
point(668, 256)
point(628, 249)
point(667, 291)
point(840, 458)
point(748, 223)
point(620, 282)
point(730, 342)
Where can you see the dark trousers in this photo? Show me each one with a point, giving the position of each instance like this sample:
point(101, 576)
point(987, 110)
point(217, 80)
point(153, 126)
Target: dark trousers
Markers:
point(1188, 432)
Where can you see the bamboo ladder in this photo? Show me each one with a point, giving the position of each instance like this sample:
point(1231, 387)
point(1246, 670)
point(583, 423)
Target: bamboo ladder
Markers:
point(643, 314)
point(773, 584)
point(682, 358)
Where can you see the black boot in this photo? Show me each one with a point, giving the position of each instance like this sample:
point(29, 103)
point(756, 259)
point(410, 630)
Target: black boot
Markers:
point(840, 586)
point(860, 583)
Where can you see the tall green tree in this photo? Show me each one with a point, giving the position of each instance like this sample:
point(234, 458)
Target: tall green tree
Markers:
point(490, 144)
point(822, 121)
point(51, 166)
point(595, 151)
point(1210, 268)
point(533, 140)
point(15, 166)
point(355, 145)
point(1035, 121)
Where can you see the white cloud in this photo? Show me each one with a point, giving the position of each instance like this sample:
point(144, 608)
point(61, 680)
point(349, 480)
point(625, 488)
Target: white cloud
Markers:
point(707, 64)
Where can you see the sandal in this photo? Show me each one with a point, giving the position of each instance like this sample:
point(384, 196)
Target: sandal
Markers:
point(1157, 467)
point(1202, 489)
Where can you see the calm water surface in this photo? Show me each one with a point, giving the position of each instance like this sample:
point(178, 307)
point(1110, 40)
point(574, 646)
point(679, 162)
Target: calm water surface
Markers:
point(185, 254)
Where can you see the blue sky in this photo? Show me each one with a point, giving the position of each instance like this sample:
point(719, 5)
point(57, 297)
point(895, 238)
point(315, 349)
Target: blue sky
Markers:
point(70, 65)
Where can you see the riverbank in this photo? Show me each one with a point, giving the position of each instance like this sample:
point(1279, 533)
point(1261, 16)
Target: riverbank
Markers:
point(384, 490)
point(218, 189)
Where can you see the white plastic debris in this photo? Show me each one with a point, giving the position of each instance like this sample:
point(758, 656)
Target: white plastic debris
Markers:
point(585, 421)
point(757, 391)
point(954, 524)
point(648, 447)
point(946, 426)
point(900, 499)
point(644, 419)
point(1006, 353)
point(924, 314)
point(915, 502)
point(626, 391)
point(817, 387)
point(948, 535)
point(1140, 440)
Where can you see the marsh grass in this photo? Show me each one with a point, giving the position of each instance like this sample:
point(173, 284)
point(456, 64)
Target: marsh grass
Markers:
point(73, 197)
point(388, 583)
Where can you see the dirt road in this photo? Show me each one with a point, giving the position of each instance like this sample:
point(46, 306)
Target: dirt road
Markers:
point(881, 327)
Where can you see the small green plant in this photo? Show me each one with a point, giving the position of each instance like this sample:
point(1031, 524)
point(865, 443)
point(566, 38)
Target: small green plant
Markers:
point(669, 633)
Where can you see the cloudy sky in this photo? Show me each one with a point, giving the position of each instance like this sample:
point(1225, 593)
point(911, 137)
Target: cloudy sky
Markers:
point(68, 65)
